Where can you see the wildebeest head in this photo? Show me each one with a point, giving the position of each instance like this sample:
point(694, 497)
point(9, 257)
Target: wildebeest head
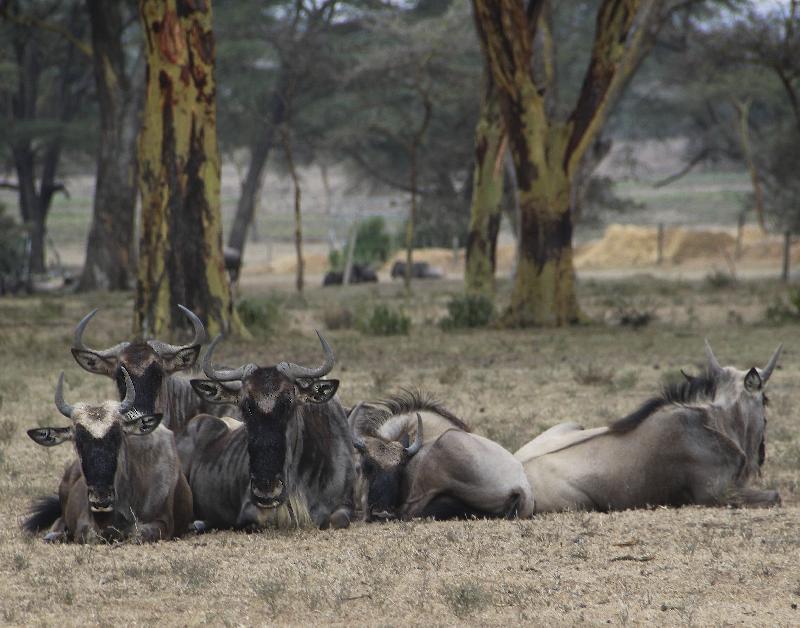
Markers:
point(97, 432)
point(744, 390)
point(148, 362)
point(268, 398)
point(383, 462)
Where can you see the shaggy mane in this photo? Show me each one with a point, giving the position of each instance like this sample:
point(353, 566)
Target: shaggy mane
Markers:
point(405, 402)
point(688, 390)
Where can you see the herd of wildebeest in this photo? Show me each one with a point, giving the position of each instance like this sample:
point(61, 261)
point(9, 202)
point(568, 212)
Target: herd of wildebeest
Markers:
point(272, 446)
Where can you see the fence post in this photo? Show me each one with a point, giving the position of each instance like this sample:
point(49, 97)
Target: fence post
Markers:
point(351, 249)
point(739, 234)
point(660, 244)
point(455, 250)
point(787, 248)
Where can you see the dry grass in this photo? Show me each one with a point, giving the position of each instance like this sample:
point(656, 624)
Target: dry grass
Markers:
point(693, 565)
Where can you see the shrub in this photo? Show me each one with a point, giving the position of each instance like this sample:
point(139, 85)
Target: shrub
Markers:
point(784, 310)
point(338, 317)
point(466, 599)
point(720, 280)
point(384, 321)
point(260, 316)
point(373, 245)
point(592, 374)
point(470, 310)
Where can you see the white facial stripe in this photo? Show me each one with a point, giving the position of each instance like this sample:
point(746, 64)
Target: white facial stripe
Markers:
point(96, 419)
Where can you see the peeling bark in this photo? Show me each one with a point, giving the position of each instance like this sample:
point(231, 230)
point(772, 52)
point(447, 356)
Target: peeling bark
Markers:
point(180, 252)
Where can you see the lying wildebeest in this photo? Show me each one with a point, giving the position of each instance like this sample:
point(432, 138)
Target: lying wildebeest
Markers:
point(127, 480)
point(289, 463)
point(419, 270)
point(448, 472)
point(700, 442)
point(360, 273)
point(155, 369)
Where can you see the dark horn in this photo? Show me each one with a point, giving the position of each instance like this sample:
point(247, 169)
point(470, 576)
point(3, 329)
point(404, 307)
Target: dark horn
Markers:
point(130, 394)
point(199, 335)
point(295, 371)
point(713, 363)
point(773, 362)
point(352, 419)
point(414, 449)
point(63, 407)
point(222, 375)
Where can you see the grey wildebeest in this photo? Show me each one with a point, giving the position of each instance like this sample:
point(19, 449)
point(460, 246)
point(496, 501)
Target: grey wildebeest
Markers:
point(126, 481)
point(701, 442)
point(155, 368)
point(448, 472)
point(289, 462)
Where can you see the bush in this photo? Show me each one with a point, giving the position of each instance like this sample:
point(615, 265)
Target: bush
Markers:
point(260, 316)
point(466, 311)
point(373, 245)
point(384, 321)
point(12, 253)
point(338, 317)
point(784, 311)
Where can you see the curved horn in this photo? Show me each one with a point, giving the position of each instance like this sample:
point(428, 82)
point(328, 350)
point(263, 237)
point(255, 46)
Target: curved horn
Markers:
point(199, 335)
point(130, 394)
point(223, 375)
point(63, 407)
point(773, 361)
point(713, 363)
point(352, 419)
point(77, 340)
point(414, 449)
point(295, 371)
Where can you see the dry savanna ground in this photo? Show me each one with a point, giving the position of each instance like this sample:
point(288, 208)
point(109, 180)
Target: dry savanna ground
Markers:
point(692, 565)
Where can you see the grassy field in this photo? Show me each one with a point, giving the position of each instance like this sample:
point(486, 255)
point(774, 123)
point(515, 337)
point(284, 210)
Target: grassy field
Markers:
point(693, 565)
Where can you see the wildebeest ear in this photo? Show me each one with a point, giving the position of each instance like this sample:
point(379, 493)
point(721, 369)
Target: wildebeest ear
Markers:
point(752, 381)
point(50, 436)
point(182, 360)
point(405, 440)
point(141, 424)
point(94, 362)
point(317, 390)
point(215, 392)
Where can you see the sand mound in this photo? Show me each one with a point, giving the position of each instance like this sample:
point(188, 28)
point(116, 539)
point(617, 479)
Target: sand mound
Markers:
point(620, 246)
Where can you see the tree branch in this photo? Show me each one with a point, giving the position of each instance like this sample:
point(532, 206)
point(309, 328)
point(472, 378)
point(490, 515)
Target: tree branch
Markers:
point(700, 156)
point(26, 20)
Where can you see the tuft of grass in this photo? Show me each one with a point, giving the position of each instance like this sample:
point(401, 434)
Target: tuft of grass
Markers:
point(720, 280)
point(634, 313)
point(261, 316)
point(338, 317)
point(450, 375)
point(192, 574)
point(468, 311)
point(592, 374)
point(7, 429)
point(385, 321)
point(465, 599)
point(21, 562)
point(270, 592)
point(784, 309)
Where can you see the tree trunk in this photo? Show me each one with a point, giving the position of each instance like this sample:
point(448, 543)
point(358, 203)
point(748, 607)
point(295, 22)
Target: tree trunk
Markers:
point(259, 155)
point(298, 217)
point(180, 253)
point(108, 247)
point(743, 111)
point(412, 217)
point(487, 195)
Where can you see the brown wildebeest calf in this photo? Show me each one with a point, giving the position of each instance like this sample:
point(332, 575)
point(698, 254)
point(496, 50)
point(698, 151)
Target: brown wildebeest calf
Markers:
point(126, 482)
point(701, 442)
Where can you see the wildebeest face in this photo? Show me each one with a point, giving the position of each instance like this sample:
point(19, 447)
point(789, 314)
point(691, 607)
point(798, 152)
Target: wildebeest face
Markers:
point(268, 400)
point(382, 466)
point(97, 432)
point(149, 362)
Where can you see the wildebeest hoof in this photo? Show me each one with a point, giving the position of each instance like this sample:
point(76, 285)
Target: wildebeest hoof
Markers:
point(198, 527)
point(54, 537)
point(340, 520)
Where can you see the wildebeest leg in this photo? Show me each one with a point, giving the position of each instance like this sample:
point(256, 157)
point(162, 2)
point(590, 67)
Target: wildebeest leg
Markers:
point(340, 519)
point(57, 532)
point(182, 506)
point(754, 498)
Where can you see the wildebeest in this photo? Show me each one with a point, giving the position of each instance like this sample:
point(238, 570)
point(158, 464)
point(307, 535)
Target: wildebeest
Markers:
point(360, 273)
point(419, 270)
point(448, 472)
point(126, 481)
point(155, 368)
point(289, 463)
point(701, 442)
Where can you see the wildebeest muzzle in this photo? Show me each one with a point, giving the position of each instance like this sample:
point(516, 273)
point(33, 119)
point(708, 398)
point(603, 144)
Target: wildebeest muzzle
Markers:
point(268, 495)
point(101, 499)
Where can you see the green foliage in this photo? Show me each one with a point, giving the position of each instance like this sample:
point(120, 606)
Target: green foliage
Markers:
point(784, 310)
point(374, 245)
point(467, 311)
point(719, 280)
point(440, 218)
point(385, 321)
point(12, 246)
point(261, 316)
point(338, 317)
